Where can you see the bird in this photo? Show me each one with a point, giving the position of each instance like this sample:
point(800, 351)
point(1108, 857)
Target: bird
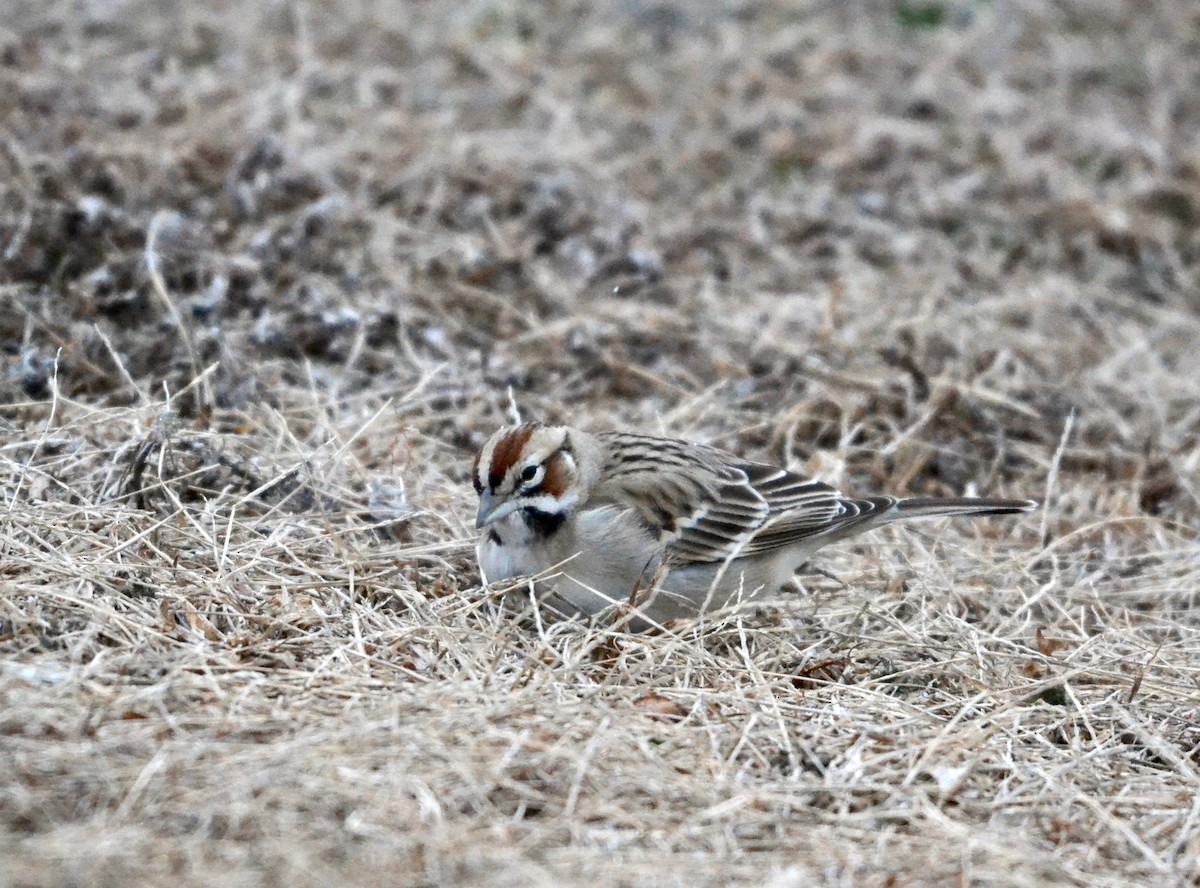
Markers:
point(660, 529)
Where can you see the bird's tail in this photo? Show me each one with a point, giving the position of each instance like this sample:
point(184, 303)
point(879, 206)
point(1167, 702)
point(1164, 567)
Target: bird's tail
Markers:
point(935, 507)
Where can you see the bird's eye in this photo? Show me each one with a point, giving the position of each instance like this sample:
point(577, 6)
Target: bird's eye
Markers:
point(531, 476)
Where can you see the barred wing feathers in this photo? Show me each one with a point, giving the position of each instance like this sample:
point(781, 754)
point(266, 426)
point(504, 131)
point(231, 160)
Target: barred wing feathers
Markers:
point(710, 506)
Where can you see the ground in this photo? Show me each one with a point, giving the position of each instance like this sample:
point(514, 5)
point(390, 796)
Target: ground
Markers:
point(272, 272)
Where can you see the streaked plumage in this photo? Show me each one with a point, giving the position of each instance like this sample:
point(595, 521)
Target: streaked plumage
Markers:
point(672, 527)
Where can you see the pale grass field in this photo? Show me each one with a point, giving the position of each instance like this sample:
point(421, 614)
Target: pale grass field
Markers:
point(269, 275)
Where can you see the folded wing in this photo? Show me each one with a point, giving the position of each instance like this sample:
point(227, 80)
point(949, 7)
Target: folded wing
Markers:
point(709, 506)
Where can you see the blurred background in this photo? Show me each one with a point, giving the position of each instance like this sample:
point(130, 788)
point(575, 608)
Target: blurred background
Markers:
point(271, 272)
point(826, 221)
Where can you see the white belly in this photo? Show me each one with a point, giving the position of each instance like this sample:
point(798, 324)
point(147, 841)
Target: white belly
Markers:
point(619, 565)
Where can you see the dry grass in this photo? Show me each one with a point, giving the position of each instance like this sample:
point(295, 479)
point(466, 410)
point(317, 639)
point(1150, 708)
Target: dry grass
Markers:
point(269, 275)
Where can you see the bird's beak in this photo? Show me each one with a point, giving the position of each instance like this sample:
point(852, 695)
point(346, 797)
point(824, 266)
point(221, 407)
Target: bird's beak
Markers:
point(490, 511)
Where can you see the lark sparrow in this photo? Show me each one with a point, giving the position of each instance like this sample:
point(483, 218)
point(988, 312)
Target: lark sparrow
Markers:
point(670, 527)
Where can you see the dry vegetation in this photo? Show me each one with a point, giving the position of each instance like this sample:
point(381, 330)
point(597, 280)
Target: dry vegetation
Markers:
point(268, 271)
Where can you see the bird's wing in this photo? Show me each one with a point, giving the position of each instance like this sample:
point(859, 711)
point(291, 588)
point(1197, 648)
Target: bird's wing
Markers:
point(711, 507)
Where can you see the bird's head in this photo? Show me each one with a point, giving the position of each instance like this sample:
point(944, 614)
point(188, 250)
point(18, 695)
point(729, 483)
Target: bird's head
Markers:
point(530, 468)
